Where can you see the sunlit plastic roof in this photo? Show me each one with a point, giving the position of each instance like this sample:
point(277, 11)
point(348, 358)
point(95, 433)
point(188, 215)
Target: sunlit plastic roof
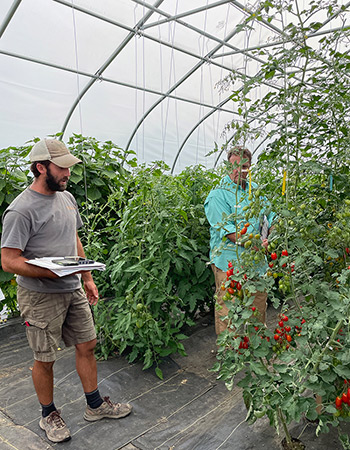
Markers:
point(143, 75)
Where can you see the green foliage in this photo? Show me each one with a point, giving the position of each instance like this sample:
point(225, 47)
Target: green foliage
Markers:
point(150, 230)
point(157, 265)
point(14, 178)
point(101, 186)
point(305, 122)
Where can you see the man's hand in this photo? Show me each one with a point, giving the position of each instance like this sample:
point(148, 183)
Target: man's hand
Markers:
point(265, 243)
point(232, 237)
point(91, 291)
point(89, 284)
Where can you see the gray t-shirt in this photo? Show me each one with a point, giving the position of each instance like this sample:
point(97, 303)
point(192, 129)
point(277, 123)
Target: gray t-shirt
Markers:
point(43, 226)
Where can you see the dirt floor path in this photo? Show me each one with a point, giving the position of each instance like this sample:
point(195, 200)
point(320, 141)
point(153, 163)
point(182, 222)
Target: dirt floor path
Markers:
point(188, 410)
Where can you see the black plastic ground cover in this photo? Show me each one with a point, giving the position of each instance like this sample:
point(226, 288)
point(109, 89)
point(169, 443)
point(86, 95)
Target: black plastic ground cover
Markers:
point(189, 409)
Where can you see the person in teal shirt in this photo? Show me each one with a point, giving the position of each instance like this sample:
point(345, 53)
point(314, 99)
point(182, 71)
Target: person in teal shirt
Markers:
point(224, 208)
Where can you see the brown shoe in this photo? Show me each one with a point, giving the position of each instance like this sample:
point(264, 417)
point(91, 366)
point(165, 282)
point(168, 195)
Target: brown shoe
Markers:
point(55, 427)
point(107, 409)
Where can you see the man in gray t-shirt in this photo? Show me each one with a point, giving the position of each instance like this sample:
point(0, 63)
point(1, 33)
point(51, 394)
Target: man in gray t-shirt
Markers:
point(42, 222)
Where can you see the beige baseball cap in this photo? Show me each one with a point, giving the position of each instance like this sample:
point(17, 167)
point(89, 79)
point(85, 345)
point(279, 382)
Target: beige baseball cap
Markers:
point(55, 151)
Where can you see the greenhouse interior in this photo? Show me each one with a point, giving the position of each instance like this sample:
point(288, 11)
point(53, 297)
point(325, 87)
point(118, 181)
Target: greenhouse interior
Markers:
point(194, 155)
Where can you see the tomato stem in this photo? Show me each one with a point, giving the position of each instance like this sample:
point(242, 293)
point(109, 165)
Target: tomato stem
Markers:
point(284, 424)
point(330, 341)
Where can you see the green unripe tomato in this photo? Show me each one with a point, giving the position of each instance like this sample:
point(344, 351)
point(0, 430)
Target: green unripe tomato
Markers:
point(247, 244)
point(260, 414)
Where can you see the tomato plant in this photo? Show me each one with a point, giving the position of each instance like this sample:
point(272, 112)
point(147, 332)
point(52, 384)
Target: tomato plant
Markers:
point(158, 259)
point(303, 172)
point(149, 228)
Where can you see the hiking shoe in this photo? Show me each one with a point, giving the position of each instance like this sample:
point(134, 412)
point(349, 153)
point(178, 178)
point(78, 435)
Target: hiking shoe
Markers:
point(107, 409)
point(55, 427)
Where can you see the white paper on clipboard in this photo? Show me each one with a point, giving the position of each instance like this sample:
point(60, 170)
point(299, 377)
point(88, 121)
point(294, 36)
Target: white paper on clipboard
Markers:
point(61, 271)
point(264, 228)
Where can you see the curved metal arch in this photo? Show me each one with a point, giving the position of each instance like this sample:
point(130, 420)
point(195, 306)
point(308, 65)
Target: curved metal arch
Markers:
point(9, 16)
point(219, 106)
point(194, 128)
point(107, 80)
point(141, 33)
point(106, 64)
point(178, 83)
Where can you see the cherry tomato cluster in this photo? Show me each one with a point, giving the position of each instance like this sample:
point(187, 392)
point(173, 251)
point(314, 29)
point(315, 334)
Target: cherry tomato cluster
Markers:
point(285, 280)
point(244, 344)
point(344, 398)
point(274, 255)
point(248, 240)
point(283, 335)
point(340, 332)
point(244, 229)
point(235, 287)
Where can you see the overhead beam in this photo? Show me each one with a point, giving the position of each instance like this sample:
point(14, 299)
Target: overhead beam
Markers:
point(273, 44)
point(199, 31)
point(109, 80)
point(187, 13)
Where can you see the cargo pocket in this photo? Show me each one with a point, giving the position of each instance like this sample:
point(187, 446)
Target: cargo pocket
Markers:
point(37, 335)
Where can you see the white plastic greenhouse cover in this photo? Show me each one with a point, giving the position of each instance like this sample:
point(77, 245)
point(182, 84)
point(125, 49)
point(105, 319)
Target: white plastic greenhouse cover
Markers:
point(140, 74)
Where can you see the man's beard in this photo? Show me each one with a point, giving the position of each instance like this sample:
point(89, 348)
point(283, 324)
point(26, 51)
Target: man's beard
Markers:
point(52, 183)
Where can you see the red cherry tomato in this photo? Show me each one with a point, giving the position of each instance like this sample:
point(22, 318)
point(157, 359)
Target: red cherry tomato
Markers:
point(284, 253)
point(273, 256)
point(338, 402)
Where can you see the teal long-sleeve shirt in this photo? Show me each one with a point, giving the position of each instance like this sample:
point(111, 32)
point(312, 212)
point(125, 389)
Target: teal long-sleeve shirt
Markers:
point(224, 208)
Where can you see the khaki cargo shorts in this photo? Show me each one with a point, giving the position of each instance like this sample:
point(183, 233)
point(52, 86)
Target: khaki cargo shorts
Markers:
point(49, 318)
